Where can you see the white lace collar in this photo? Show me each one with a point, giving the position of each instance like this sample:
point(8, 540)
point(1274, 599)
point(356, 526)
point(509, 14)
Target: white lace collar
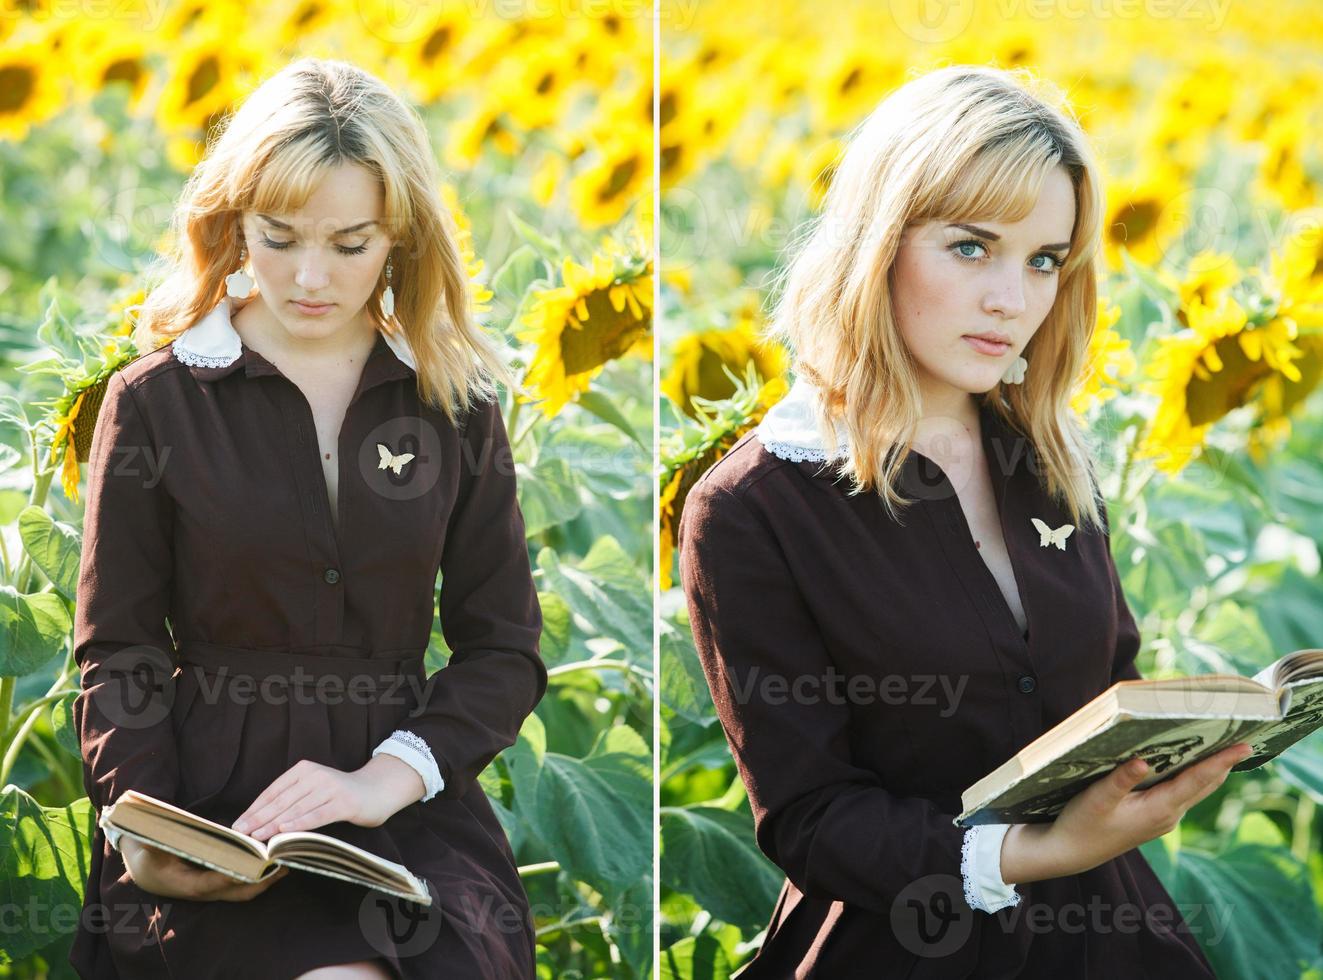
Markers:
point(213, 342)
point(790, 427)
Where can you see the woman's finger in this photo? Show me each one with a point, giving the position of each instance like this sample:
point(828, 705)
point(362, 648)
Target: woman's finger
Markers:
point(259, 817)
point(278, 786)
point(309, 817)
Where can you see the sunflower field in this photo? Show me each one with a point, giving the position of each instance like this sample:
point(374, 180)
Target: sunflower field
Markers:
point(543, 129)
point(1201, 392)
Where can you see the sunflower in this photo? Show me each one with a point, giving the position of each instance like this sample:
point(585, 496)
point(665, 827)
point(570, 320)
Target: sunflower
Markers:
point(692, 450)
point(29, 88)
point(818, 168)
point(464, 239)
point(1207, 278)
point(471, 135)
point(700, 361)
point(599, 314)
point(1134, 215)
point(1283, 175)
point(108, 57)
point(533, 88)
point(204, 80)
point(603, 192)
point(1217, 364)
point(1108, 362)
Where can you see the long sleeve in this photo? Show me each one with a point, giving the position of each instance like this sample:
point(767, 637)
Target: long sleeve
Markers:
point(473, 707)
point(123, 649)
point(831, 825)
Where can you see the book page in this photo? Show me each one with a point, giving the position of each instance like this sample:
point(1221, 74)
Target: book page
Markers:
point(1304, 714)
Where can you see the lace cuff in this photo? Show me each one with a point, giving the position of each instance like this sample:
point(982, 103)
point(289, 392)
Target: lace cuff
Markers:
point(411, 748)
point(112, 835)
point(980, 868)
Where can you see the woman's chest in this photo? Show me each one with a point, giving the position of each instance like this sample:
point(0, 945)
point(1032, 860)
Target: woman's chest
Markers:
point(274, 477)
point(979, 507)
point(328, 401)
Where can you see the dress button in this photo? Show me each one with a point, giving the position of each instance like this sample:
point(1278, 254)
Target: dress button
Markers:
point(1027, 684)
point(331, 576)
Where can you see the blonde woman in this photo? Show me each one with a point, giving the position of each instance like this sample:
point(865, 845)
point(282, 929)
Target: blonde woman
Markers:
point(282, 481)
point(878, 615)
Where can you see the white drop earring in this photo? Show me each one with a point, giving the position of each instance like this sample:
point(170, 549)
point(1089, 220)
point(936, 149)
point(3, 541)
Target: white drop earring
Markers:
point(239, 283)
point(388, 296)
point(1015, 373)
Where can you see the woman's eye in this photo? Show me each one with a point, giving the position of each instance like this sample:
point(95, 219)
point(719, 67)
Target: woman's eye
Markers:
point(342, 249)
point(1053, 263)
point(959, 248)
point(969, 251)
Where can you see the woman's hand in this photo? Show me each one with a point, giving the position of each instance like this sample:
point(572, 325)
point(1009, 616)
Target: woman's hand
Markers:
point(1107, 819)
point(310, 795)
point(164, 874)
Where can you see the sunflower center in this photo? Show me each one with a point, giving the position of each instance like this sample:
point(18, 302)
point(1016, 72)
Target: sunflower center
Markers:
point(15, 87)
point(1227, 389)
point(621, 175)
point(123, 70)
point(604, 336)
point(203, 79)
point(1134, 222)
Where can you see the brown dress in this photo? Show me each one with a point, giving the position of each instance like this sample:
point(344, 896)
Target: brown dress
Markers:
point(832, 637)
point(207, 506)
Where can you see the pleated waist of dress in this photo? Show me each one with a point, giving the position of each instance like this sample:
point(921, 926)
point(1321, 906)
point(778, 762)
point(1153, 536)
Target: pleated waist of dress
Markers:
point(243, 716)
point(301, 669)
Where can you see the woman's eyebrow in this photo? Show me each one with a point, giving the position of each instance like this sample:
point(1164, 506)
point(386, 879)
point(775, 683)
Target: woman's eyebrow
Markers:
point(343, 231)
point(992, 236)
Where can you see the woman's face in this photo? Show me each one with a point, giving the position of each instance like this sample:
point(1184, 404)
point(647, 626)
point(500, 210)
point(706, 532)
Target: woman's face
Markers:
point(952, 279)
point(330, 253)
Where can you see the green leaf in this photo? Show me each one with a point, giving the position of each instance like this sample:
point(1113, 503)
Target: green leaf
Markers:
point(556, 628)
point(33, 629)
point(54, 546)
point(629, 925)
point(683, 685)
point(521, 269)
point(549, 248)
point(1251, 908)
point(695, 958)
point(606, 590)
point(592, 814)
point(45, 857)
point(62, 724)
point(604, 408)
point(711, 854)
point(548, 494)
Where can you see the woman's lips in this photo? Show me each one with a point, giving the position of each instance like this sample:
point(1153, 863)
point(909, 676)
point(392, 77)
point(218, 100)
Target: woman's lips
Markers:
point(986, 346)
point(311, 310)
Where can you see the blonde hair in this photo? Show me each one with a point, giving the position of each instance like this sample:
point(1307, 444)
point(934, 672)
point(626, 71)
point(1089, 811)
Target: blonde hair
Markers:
point(958, 143)
point(269, 156)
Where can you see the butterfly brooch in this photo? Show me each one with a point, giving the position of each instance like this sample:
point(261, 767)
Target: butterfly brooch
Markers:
point(389, 459)
point(1047, 535)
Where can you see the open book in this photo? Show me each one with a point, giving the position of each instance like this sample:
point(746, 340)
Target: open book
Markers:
point(246, 858)
point(1170, 724)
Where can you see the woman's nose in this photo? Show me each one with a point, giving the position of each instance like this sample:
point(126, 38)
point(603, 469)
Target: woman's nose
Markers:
point(311, 276)
point(1006, 297)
